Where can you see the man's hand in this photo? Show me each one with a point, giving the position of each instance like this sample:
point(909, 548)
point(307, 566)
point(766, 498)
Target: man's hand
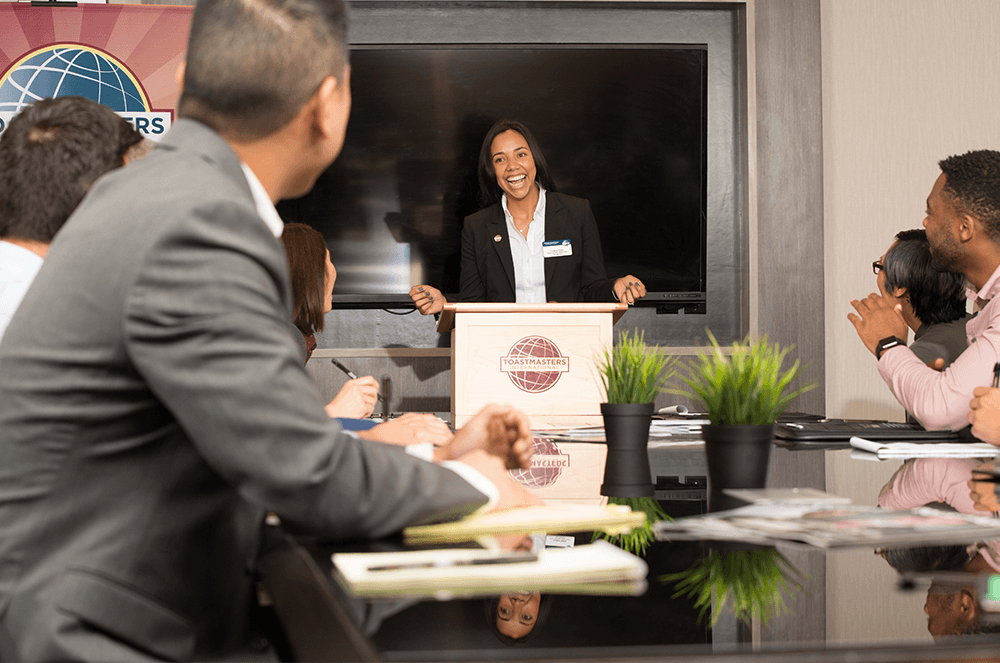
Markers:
point(628, 289)
point(500, 431)
point(936, 364)
point(877, 319)
point(983, 493)
point(428, 300)
point(985, 414)
point(512, 494)
point(410, 428)
point(356, 399)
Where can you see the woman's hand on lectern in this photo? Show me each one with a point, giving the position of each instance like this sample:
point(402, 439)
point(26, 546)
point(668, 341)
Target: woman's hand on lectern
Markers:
point(428, 300)
point(628, 289)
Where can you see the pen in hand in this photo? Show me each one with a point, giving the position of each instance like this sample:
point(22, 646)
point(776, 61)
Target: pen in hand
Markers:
point(996, 375)
point(349, 373)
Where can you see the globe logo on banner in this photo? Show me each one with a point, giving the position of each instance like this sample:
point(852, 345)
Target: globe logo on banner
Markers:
point(534, 364)
point(547, 464)
point(73, 69)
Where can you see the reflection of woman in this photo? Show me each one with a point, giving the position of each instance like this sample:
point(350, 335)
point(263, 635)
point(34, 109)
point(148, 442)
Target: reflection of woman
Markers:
point(514, 618)
point(530, 244)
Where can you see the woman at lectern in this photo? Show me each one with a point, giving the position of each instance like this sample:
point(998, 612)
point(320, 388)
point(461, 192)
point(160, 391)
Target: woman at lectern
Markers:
point(530, 244)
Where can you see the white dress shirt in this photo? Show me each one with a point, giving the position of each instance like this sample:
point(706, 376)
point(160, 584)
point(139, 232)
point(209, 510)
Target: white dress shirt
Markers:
point(18, 267)
point(529, 261)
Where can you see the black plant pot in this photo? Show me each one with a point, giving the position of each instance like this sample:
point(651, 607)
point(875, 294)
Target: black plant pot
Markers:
point(626, 429)
point(737, 457)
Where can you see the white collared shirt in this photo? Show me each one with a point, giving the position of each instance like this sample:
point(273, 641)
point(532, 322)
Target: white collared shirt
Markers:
point(529, 260)
point(265, 208)
point(18, 268)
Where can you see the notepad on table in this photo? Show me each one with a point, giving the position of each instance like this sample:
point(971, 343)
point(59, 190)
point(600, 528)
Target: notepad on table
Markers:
point(550, 519)
point(596, 568)
point(926, 450)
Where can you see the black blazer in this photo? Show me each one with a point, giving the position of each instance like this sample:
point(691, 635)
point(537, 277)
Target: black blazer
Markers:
point(488, 268)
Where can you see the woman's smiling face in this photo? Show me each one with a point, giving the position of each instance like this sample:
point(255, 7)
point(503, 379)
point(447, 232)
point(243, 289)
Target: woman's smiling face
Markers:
point(513, 164)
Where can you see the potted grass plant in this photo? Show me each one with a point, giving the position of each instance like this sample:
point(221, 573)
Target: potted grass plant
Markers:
point(743, 391)
point(632, 374)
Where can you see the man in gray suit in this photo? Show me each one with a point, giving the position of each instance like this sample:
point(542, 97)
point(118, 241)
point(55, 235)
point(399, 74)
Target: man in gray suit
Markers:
point(152, 401)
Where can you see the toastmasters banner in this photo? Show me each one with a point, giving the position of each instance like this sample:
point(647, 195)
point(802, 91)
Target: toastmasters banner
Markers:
point(123, 56)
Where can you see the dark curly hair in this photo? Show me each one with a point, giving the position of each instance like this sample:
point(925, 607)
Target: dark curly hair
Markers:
point(972, 186)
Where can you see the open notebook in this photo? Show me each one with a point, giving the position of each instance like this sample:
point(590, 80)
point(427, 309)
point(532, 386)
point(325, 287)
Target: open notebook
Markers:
point(596, 568)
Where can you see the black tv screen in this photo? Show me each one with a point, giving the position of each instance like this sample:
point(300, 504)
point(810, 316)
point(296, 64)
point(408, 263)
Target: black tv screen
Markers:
point(623, 127)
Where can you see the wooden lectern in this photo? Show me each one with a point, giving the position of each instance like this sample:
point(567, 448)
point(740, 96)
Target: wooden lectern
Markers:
point(540, 358)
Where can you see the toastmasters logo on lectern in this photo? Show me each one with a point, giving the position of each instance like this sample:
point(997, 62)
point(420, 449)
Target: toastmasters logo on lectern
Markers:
point(547, 464)
point(62, 70)
point(534, 364)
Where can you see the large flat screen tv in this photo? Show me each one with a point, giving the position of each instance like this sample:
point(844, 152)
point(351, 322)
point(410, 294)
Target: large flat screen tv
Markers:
point(624, 127)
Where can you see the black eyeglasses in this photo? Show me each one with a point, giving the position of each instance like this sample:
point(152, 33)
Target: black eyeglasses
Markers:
point(877, 267)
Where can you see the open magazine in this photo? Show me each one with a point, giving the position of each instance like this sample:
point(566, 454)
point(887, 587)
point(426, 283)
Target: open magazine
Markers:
point(831, 526)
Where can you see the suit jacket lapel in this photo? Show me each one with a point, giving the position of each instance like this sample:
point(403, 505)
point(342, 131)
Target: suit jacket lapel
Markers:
point(555, 228)
point(497, 226)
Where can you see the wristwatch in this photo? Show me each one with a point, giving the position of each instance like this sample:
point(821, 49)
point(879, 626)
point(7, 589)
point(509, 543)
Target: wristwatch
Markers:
point(886, 343)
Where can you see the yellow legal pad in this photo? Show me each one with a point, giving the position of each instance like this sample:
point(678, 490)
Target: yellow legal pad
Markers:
point(550, 519)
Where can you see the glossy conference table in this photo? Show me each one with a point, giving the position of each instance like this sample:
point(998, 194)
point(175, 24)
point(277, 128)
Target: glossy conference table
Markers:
point(851, 606)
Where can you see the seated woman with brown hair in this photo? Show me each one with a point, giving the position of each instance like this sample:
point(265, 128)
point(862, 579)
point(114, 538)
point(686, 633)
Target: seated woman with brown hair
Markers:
point(313, 276)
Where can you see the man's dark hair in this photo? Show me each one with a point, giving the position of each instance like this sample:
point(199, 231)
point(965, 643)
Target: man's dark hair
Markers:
point(252, 64)
point(50, 154)
point(489, 191)
point(972, 186)
point(925, 559)
point(936, 296)
point(306, 251)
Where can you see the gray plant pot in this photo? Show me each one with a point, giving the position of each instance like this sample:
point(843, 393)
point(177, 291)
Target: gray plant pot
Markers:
point(737, 457)
point(626, 429)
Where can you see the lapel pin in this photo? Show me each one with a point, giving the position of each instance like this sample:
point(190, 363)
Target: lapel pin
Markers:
point(497, 238)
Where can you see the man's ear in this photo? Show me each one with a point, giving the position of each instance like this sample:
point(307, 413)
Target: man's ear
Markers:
point(179, 76)
point(967, 227)
point(899, 292)
point(333, 106)
point(968, 606)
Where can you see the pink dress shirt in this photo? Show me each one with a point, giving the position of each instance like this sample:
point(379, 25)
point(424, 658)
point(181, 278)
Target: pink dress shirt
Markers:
point(940, 400)
point(926, 480)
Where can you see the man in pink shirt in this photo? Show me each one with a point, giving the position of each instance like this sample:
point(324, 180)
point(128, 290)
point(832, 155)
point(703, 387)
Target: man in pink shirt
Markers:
point(963, 228)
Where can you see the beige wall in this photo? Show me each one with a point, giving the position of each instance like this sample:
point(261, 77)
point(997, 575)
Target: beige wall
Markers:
point(905, 84)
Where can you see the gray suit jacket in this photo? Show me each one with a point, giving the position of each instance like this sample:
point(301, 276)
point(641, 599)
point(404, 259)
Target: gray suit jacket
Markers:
point(153, 404)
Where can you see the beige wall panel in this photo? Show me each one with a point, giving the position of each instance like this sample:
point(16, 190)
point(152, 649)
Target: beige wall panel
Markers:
point(905, 84)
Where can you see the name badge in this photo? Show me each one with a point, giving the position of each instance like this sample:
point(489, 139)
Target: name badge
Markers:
point(557, 248)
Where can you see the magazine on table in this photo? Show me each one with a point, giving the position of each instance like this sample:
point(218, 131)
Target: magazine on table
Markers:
point(832, 526)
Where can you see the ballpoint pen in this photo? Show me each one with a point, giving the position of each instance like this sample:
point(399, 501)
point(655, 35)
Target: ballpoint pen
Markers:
point(996, 375)
point(502, 559)
point(350, 373)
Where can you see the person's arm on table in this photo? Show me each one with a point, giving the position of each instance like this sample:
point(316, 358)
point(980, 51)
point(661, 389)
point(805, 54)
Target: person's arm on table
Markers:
point(204, 333)
point(924, 480)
